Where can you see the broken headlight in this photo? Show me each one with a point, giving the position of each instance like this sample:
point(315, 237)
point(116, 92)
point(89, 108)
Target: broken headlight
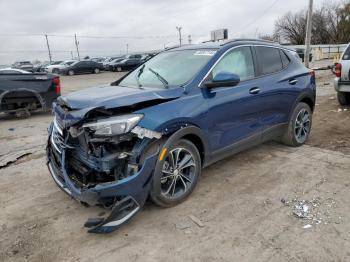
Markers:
point(114, 125)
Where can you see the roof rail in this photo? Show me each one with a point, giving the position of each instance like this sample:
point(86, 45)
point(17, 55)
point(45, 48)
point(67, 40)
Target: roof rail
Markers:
point(174, 46)
point(247, 39)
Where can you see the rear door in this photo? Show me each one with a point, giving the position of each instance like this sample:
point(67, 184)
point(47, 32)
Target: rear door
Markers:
point(234, 112)
point(279, 82)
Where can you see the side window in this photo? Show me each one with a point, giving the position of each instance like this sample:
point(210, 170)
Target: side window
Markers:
point(238, 61)
point(285, 59)
point(270, 59)
point(346, 55)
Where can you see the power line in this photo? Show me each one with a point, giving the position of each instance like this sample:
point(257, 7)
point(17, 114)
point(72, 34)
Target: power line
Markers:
point(96, 36)
point(261, 16)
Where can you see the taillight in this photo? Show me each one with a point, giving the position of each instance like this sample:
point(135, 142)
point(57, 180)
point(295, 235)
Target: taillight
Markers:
point(313, 77)
point(337, 70)
point(57, 84)
point(312, 73)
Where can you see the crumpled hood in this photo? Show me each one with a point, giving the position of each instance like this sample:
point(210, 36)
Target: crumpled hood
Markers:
point(116, 96)
point(107, 97)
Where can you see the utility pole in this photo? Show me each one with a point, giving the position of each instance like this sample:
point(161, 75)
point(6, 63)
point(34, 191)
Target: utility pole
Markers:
point(48, 48)
point(178, 28)
point(77, 44)
point(189, 39)
point(308, 34)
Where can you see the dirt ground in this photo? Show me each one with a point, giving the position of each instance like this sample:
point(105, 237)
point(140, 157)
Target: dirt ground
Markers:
point(271, 203)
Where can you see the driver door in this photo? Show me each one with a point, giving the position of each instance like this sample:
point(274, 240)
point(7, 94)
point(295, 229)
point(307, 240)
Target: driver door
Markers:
point(234, 111)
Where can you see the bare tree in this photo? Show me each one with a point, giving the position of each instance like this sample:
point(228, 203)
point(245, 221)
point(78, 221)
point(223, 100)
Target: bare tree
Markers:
point(331, 24)
point(291, 27)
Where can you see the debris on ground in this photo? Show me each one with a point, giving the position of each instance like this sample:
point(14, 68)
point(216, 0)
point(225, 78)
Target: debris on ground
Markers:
point(196, 220)
point(183, 224)
point(313, 212)
point(13, 157)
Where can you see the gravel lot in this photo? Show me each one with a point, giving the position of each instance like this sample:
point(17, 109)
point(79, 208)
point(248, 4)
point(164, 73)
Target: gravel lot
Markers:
point(271, 203)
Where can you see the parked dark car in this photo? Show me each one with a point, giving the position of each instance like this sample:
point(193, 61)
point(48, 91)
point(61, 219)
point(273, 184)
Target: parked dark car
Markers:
point(82, 67)
point(24, 65)
point(112, 66)
point(150, 133)
point(22, 92)
point(130, 62)
point(301, 53)
point(106, 62)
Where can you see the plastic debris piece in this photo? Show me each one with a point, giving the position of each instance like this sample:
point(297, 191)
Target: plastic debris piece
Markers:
point(307, 226)
point(196, 220)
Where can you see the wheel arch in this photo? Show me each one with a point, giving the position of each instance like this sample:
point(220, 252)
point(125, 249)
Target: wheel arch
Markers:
point(303, 98)
point(192, 133)
point(23, 90)
point(307, 100)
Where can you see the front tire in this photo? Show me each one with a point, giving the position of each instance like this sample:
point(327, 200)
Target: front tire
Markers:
point(119, 69)
point(176, 175)
point(71, 72)
point(299, 126)
point(343, 98)
point(96, 70)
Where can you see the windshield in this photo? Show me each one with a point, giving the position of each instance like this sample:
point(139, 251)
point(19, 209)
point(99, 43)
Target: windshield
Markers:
point(172, 68)
point(69, 62)
point(74, 63)
point(117, 60)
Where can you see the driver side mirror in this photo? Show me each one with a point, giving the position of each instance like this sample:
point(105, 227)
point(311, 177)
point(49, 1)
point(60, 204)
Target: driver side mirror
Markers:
point(222, 79)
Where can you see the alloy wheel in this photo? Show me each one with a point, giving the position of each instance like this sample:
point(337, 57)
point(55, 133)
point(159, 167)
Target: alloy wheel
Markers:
point(302, 126)
point(178, 173)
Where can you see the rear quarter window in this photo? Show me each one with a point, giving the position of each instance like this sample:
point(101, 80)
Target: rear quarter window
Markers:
point(269, 59)
point(285, 59)
point(346, 55)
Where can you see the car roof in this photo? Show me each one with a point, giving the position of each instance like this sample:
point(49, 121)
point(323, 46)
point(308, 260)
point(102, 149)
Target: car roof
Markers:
point(14, 69)
point(229, 43)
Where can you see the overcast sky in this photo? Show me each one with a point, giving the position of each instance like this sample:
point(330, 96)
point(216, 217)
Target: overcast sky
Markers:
point(142, 24)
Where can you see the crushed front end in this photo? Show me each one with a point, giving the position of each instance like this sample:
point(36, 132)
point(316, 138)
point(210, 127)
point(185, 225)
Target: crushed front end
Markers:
point(113, 172)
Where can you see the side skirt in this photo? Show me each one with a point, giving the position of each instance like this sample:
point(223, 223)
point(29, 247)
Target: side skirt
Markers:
point(272, 133)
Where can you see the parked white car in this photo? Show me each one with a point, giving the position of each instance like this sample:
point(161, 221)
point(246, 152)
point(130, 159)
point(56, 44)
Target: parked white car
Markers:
point(342, 80)
point(56, 68)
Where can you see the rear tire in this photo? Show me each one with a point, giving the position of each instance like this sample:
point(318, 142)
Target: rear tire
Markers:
point(343, 98)
point(119, 69)
point(96, 70)
point(299, 126)
point(176, 175)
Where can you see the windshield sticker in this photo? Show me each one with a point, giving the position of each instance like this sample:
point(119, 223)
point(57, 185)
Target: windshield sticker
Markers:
point(205, 52)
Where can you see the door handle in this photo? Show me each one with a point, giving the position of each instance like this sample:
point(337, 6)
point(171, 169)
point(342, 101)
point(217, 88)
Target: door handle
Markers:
point(293, 81)
point(254, 90)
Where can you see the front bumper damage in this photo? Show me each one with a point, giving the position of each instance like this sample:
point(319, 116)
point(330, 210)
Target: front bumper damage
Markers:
point(124, 197)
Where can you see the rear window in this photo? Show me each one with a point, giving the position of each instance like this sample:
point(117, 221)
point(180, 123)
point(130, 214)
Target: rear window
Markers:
point(346, 55)
point(270, 59)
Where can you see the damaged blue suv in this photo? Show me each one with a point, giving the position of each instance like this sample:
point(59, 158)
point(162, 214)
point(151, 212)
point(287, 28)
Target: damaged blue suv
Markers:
point(150, 133)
